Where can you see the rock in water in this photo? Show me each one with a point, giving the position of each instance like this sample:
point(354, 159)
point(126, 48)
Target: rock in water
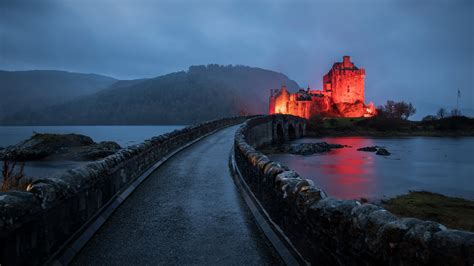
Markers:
point(309, 148)
point(370, 149)
point(383, 152)
point(58, 147)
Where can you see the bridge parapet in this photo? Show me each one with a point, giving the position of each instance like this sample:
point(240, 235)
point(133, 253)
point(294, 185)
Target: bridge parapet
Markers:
point(35, 224)
point(329, 231)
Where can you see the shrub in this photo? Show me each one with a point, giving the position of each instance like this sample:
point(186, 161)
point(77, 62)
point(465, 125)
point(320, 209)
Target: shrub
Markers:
point(333, 122)
point(429, 118)
point(315, 122)
point(14, 179)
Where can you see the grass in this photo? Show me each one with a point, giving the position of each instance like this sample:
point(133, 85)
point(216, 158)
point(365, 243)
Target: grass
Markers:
point(380, 126)
point(455, 213)
point(13, 178)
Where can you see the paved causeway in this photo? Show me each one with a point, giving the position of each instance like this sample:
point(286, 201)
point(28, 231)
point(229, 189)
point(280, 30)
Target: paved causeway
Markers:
point(187, 212)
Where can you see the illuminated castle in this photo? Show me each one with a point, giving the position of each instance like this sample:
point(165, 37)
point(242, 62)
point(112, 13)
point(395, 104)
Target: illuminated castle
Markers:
point(342, 95)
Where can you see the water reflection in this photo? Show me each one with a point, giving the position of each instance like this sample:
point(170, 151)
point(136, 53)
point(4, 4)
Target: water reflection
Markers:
point(442, 165)
point(353, 171)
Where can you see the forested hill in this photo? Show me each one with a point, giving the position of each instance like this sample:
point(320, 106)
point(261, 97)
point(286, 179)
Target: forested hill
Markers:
point(35, 89)
point(201, 93)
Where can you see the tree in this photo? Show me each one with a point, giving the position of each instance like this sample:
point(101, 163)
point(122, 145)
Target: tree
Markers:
point(455, 112)
point(389, 108)
point(411, 110)
point(404, 110)
point(398, 110)
point(441, 113)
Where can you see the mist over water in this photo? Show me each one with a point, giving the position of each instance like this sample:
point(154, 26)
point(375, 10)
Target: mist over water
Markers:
point(441, 165)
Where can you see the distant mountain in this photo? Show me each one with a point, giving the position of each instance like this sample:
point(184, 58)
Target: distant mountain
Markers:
point(201, 93)
point(35, 89)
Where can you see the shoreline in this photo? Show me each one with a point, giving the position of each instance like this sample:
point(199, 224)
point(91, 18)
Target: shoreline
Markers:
point(454, 212)
point(370, 133)
point(380, 126)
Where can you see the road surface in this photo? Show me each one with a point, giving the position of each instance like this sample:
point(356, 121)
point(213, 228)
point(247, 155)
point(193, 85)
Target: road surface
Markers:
point(187, 212)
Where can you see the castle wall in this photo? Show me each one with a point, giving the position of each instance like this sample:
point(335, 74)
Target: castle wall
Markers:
point(319, 105)
point(347, 86)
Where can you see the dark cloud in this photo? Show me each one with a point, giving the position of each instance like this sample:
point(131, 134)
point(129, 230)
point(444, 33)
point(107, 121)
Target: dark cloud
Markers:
point(420, 51)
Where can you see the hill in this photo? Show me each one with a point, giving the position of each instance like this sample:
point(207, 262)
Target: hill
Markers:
point(201, 93)
point(35, 89)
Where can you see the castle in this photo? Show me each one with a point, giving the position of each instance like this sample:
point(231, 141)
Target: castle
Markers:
point(342, 95)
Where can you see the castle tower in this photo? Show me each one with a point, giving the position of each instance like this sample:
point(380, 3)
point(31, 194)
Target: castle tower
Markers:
point(279, 101)
point(345, 82)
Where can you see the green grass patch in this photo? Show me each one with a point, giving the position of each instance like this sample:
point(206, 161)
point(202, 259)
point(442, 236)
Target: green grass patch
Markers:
point(455, 213)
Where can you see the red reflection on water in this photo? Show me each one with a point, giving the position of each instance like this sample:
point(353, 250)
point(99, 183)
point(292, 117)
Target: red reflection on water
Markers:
point(350, 172)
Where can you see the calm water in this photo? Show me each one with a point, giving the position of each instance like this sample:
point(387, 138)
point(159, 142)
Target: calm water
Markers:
point(442, 165)
point(123, 135)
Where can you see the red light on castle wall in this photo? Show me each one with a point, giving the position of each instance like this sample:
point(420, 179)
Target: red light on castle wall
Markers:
point(342, 95)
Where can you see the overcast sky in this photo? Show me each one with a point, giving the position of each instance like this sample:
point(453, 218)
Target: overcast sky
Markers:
point(418, 51)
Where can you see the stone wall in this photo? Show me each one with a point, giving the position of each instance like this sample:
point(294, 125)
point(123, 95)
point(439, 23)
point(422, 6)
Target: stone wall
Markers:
point(35, 224)
point(329, 231)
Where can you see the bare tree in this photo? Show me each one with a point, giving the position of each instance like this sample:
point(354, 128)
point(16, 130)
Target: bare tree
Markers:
point(441, 113)
point(408, 110)
point(455, 112)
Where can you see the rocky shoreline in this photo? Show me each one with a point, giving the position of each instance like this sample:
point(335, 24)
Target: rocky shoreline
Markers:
point(302, 148)
point(318, 147)
point(55, 147)
point(374, 133)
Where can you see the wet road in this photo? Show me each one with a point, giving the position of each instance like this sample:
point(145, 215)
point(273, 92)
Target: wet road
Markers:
point(187, 212)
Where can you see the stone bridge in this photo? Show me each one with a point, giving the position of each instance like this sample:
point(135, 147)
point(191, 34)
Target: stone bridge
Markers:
point(173, 200)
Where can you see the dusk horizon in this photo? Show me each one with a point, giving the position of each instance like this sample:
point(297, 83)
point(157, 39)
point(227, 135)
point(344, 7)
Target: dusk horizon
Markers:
point(237, 132)
point(407, 49)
